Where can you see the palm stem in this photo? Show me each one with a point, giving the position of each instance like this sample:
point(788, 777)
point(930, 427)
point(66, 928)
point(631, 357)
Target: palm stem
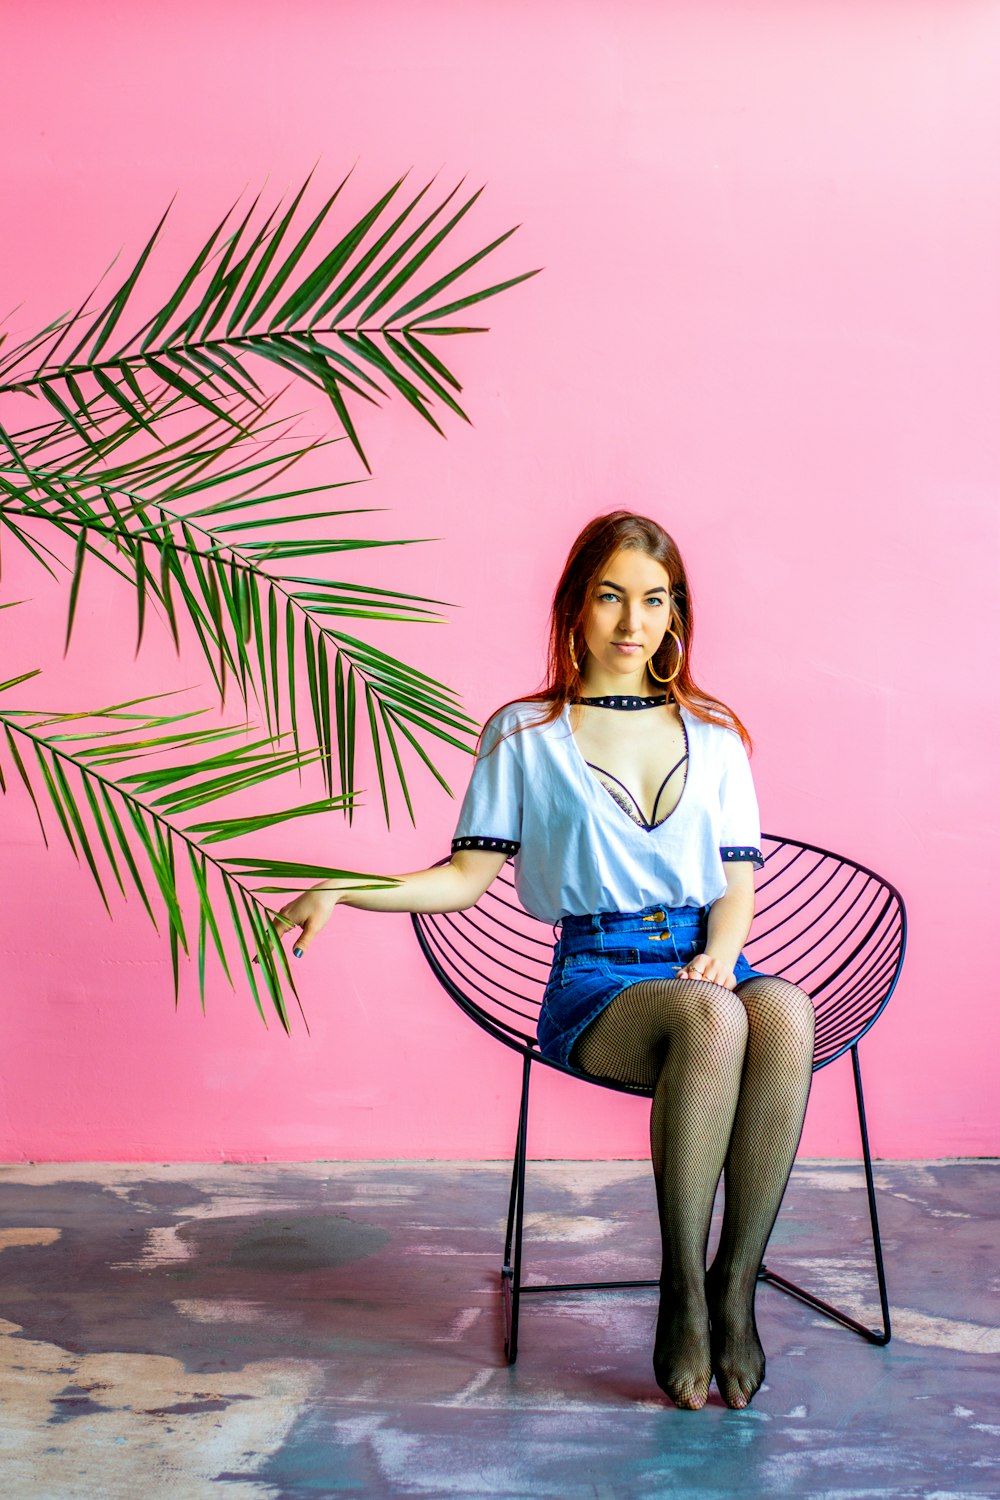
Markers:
point(245, 340)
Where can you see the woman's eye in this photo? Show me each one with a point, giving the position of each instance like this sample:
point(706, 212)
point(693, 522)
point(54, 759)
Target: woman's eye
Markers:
point(608, 598)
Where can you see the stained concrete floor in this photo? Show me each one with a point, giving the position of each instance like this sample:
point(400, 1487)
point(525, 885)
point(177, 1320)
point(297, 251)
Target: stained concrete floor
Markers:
point(294, 1332)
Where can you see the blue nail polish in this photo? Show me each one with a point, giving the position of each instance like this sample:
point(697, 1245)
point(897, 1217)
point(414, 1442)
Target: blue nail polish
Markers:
point(297, 952)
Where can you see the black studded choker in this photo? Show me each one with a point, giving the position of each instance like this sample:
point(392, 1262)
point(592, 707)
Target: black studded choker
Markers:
point(615, 701)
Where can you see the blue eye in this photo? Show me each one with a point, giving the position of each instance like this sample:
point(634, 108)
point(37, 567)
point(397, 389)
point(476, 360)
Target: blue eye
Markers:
point(602, 598)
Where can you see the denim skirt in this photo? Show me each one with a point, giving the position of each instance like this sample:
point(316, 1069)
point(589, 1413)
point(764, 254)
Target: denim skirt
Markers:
point(598, 956)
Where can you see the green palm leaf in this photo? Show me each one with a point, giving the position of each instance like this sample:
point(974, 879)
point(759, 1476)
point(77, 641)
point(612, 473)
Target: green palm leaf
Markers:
point(78, 775)
point(255, 268)
point(158, 450)
point(221, 579)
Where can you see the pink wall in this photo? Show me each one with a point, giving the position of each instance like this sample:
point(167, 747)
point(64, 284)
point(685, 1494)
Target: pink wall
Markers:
point(770, 316)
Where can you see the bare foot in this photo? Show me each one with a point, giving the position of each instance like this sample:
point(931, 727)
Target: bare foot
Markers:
point(737, 1354)
point(681, 1352)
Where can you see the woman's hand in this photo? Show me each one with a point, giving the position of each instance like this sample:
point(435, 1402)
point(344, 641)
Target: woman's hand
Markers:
point(309, 912)
point(704, 966)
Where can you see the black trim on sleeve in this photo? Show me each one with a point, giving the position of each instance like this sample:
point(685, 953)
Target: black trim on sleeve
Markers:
point(494, 846)
point(737, 853)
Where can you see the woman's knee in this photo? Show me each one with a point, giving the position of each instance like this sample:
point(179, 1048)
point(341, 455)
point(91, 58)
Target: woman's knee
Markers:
point(710, 1011)
point(778, 1007)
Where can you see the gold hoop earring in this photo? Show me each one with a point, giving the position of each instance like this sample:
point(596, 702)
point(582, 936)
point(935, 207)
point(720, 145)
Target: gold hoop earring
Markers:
point(572, 657)
point(680, 657)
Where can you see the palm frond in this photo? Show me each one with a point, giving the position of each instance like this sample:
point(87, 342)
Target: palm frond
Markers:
point(123, 825)
point(274, 306)
point(158, 448)
point(220, 564)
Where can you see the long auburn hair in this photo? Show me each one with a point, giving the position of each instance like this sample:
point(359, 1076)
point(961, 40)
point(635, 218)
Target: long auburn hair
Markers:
point(586, 564)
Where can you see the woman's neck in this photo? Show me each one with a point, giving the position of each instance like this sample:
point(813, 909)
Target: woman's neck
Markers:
point(596, 683)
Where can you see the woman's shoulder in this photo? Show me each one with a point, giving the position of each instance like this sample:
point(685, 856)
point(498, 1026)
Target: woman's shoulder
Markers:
point(722, 739)
point(518, 724)
point(522, 713)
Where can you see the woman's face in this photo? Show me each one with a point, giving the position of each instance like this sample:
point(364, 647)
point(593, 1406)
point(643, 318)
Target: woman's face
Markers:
point(628, 613)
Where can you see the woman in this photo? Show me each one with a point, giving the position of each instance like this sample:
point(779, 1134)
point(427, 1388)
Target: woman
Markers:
point(624, 794)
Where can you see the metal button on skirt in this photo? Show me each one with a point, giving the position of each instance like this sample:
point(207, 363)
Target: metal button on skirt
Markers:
point(598, 956)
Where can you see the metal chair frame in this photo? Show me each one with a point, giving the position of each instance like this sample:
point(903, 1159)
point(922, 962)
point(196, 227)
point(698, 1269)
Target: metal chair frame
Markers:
point(828, 924)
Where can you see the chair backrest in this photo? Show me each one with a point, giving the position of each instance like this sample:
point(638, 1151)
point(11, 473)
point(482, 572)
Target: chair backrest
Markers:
point(829, 925)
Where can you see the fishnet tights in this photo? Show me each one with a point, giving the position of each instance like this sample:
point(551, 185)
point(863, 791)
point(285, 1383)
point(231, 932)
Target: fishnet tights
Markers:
point(729, 1071)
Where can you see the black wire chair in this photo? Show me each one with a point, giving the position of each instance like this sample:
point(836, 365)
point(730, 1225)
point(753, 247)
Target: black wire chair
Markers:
point(831, 926)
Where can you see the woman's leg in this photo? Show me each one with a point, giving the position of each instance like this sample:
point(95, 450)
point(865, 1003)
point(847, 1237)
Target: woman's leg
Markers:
point(683, 1039)
point(765, 1137)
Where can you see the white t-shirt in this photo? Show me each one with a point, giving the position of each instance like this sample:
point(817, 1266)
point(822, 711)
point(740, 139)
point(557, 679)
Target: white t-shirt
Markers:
point(576, 851)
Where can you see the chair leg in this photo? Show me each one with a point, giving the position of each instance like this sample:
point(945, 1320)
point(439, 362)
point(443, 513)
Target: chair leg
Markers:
point(510, 1273)
point(886, 1333)
point(873, 1335)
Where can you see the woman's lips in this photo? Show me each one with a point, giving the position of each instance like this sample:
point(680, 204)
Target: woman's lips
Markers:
point(629, 647)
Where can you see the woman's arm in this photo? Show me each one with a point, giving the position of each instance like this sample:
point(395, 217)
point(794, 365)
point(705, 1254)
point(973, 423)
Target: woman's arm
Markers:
point(729, 921)
point(450, 887)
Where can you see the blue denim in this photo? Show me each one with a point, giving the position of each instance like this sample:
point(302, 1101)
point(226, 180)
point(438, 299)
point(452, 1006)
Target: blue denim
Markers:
point(598, 956)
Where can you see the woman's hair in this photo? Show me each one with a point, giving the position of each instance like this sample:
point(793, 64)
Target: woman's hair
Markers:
point(587, 563)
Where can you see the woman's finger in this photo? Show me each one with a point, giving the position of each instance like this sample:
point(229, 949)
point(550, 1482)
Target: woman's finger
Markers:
point(709, 970)
point(281, 925)
point(310, 914)
point(310, 928)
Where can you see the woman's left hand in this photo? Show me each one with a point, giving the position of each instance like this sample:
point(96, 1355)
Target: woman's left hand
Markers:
point(703, 966)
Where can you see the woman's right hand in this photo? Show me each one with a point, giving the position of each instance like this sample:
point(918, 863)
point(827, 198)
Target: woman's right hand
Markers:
point(309, 913)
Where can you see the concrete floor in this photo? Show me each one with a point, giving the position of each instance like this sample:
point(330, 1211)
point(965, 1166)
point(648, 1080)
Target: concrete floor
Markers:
point(294, 1332)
